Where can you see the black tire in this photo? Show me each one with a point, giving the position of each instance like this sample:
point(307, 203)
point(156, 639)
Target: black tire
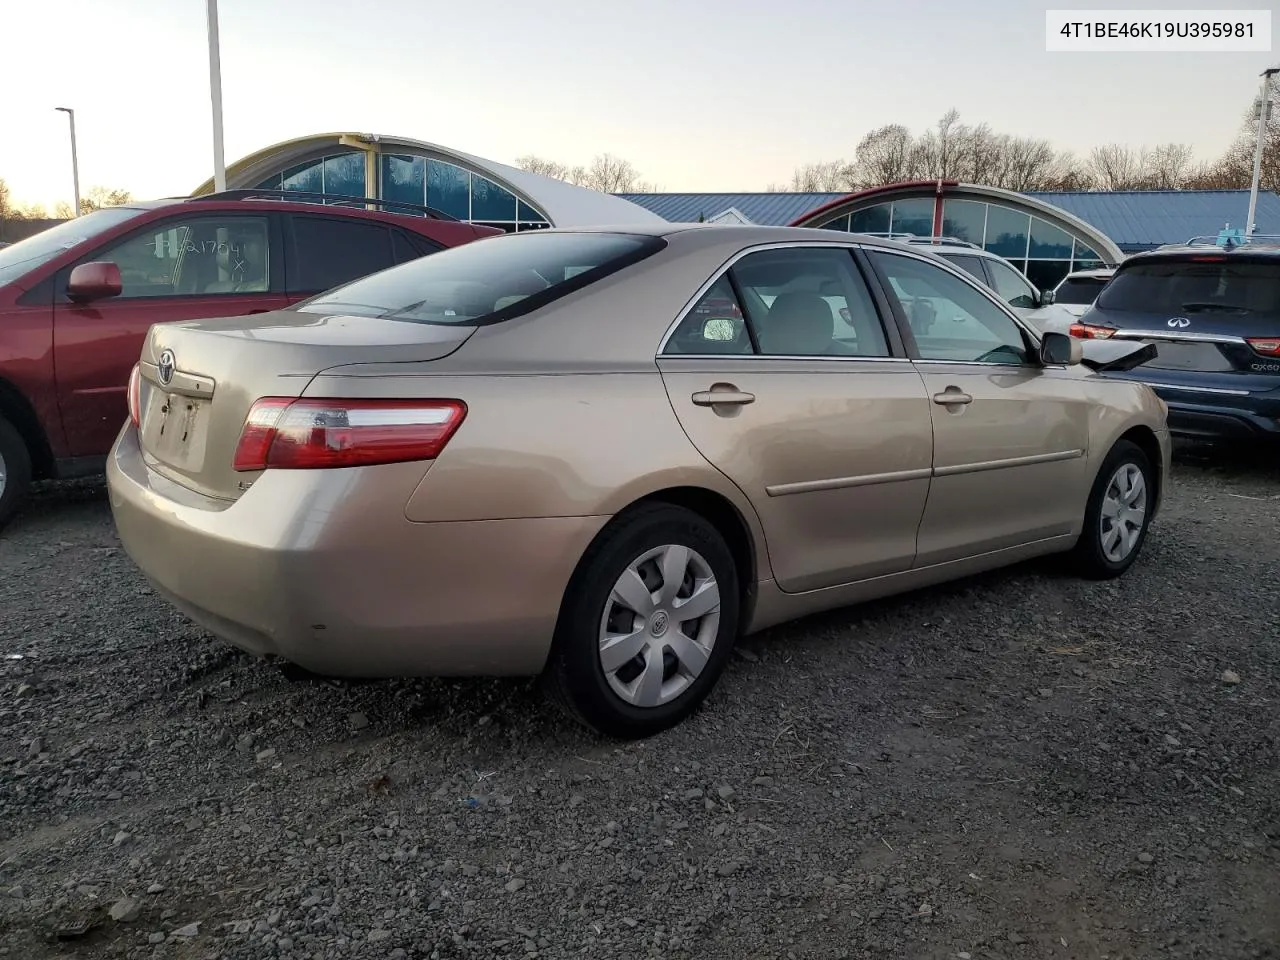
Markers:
point(1088, 558)
point(15, 467)
point(574, 674)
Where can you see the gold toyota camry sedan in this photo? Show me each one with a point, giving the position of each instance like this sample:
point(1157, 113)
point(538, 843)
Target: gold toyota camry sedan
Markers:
point(602, 455)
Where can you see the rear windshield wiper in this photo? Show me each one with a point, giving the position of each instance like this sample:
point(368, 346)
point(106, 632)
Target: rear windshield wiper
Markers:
point(1225, 307)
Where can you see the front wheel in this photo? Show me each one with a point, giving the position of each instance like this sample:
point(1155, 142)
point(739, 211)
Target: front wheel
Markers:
point(1117, 515)
point(647, 624)
point(15, 471)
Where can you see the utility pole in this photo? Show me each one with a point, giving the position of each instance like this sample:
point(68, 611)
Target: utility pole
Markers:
point(215, 95)
point(75, 163)
point(1263, 112)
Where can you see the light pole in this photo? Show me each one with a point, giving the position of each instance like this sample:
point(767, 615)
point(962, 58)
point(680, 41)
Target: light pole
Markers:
point(1263, 110)
point(215, 94)
point(75, 164)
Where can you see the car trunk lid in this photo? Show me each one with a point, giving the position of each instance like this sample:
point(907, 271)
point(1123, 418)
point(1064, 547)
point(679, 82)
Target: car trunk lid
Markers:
point(200, 378)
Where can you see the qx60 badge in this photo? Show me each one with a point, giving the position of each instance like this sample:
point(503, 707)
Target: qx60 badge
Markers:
point(1180, 323)
point(167, 364)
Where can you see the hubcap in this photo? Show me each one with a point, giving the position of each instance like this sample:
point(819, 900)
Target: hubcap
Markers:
point(4, 477)
point(1124, 512)
point(659, 625)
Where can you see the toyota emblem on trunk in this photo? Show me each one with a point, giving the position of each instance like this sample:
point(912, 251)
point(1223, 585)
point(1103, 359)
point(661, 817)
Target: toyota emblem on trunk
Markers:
point(166, 366)
point(1179, 322)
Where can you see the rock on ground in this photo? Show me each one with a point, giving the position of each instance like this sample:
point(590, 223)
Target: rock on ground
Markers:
point(994, 768)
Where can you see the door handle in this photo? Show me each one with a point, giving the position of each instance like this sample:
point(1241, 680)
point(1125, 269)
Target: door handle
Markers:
point(726, 393)
point(950, 396)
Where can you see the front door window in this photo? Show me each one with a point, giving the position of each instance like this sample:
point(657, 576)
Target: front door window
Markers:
point(950, 319)
point(195, 256)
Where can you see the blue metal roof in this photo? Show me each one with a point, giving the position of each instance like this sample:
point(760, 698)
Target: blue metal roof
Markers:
point(1142, 220)
point(1134, 219)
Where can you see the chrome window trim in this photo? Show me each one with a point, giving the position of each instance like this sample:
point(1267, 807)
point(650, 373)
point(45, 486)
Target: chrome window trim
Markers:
point(1220, 391)
point(776, 356)
point(724, 268)
point(993, 363)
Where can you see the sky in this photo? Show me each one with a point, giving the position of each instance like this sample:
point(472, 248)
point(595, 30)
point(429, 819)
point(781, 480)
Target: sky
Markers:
point(700, 95)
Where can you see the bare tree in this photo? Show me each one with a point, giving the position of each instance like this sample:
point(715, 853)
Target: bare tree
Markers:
point(99, 197)
point(1235, 166)
point(832, 176)
point(610, 174)
point(1028, 164)
point(10, 209)
point(544, 167)
point(886, 155)
point(606, 173)
point(1167, 166)
point(1116, 167)
point(63, 210)
point(940, 150)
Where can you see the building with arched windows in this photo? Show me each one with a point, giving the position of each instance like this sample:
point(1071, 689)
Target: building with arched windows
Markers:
point(1044, 242)
point(410, 171)
point(1045, 235)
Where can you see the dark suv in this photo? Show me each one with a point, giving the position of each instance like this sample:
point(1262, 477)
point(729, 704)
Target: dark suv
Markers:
point(77, 299)
point(1212, 310)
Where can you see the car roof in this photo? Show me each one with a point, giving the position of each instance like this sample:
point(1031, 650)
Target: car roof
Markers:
point(744, 234)
point(1098, 273)
point(267, 202)
point(1259, 245)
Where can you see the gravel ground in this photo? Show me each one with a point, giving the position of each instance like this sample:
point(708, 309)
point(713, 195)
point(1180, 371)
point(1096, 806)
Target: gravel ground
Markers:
point(1021, 765)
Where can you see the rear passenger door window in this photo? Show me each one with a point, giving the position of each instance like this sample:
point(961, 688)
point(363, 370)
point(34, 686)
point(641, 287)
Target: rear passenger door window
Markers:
point(406, 247)
point(327, 252)
point(970, 265)
point(786, 302)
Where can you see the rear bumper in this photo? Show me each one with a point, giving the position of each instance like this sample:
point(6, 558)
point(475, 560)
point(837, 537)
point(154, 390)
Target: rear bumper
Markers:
point(1212, 410)
point(1230, 419)
point(321, 568)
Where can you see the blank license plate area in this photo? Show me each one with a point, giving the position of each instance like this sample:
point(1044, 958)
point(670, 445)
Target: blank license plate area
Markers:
point(174, 429)
point(1188, 356)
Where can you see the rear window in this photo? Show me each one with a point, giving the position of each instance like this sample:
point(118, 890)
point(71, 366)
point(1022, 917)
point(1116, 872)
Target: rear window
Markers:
point(1233, 286)
point(488, 280)
point(1079, 290)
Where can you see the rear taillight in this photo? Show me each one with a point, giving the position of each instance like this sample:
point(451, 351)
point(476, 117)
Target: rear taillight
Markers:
point(286, 434)
point(1087, 331)
point(1267, 346)
point(135, 399)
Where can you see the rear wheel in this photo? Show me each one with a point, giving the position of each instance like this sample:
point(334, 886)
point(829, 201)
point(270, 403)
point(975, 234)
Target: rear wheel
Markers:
point(648, 622)
point(1117, 515)
point(15, 471)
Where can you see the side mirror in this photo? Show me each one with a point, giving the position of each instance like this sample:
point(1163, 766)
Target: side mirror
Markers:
point(1060, 350)
point(94, 281)
point(1047, 298)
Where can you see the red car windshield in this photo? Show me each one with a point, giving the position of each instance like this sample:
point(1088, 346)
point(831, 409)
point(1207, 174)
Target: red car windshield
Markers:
point(26, 255)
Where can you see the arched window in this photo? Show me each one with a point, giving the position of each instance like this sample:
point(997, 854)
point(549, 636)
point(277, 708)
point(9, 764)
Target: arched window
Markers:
point(1042, 251)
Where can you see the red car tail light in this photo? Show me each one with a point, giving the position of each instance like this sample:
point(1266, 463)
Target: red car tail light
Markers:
point(1087, 331)
point(287, 434)
point(135, 392)
point(1267, 346)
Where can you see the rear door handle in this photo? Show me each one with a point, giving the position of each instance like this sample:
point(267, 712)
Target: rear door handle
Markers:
point(726, 394)
point(951, 396)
